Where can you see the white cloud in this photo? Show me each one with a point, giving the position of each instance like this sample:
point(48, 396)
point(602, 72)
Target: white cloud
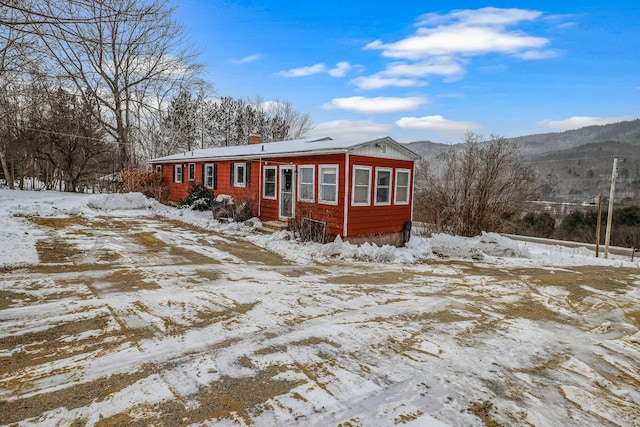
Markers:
point(303, 71)
point(350, 129)
point(247, 59)
point(379, 82)
point(483, 16)
point(436, 124)
point(443, 45)
point(577, 122)
point(340, 70)
point(376, 105)
point(441, 66)
point(538, 54)
point(458, 39)
point(466, 33)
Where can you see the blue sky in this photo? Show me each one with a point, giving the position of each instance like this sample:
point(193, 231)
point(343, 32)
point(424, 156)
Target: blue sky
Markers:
point(419, 70)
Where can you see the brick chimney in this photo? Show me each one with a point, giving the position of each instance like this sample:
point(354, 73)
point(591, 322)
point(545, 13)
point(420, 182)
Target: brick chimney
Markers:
point(254, 138)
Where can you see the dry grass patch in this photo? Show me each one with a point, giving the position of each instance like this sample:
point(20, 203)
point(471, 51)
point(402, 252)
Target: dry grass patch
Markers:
point(603, 278)
point(618, 374)
point(73, 396)
point(372, 278)
point(56, 251)
point(191, 256)
point(56, 332)
point(57, 222)
point(531, 310)
point(155, 245)
point(484, 411)
point(408, 417)
point(244, 250)
point(407, 345)
point(301, 271)
point(48, 269)
point(314, 371)
point(13, 299)
point(127, 280)
point(353, 422)
point(238, 399)
point(62, 341)
point(209, 275)
point(315, 341)
point(250, 253)
point(546, 368)
point(207, 317)
point(442, 316)
point(271, 350)
point(633, 317)
point(149, 241)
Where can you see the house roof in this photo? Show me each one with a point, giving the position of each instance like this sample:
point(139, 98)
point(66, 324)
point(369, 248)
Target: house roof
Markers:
point(324, 145)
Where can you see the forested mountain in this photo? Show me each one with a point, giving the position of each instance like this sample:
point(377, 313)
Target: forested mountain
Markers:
point(626, 132)
point(576, 165)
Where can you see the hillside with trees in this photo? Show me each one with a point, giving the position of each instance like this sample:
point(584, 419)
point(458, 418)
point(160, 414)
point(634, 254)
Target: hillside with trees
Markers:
point(574, 166)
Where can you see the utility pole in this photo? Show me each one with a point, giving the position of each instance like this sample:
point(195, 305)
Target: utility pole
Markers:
point(614, 174)
point(598, 223)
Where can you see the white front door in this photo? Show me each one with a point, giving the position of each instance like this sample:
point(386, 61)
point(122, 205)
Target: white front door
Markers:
point(287, 196)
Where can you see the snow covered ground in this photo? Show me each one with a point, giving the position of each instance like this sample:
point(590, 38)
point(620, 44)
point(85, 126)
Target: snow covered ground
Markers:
point(116, 310)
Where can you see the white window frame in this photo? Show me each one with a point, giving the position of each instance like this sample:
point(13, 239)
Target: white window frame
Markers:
point(240, 179)
point(395, 195)
point(178, 173)
point(312, 183)
point(158, 168)
point(275, 182)
point(212, 175)
point(375, 193)
point(369, 169)
point(191, 168)
point(321, 168)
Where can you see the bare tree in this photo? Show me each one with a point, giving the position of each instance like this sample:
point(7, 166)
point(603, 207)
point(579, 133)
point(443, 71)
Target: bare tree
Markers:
point(16, 60)
point(109, 49)
point(479, 188)
point(69, 138)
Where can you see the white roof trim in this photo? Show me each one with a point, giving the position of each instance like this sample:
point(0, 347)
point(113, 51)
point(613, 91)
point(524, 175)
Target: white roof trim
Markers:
point(297, 147)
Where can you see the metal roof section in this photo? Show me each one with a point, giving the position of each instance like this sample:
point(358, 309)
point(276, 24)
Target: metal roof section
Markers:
point(325, 145)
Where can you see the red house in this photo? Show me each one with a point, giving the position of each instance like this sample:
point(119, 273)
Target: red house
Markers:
point(360, 189)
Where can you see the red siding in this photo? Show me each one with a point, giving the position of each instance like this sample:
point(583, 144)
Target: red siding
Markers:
point(248, 194)
point(332, 215)
point(179, 190)
point(379, 219)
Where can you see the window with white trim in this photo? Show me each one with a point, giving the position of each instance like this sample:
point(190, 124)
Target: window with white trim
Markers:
point(158, 168)
point(328, 185)
point(192, 172)
point(209, 174)
point(178, 173)
point(240, 174)
point(269, 182)
point(403, 178)
point(383, 186)
point(361, 186)
point(306, 183)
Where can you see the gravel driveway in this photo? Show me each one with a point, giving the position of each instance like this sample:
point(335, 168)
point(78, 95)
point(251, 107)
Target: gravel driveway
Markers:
point(147, 321)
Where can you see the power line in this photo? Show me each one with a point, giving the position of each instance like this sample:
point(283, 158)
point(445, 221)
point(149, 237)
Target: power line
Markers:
point(89, 138)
